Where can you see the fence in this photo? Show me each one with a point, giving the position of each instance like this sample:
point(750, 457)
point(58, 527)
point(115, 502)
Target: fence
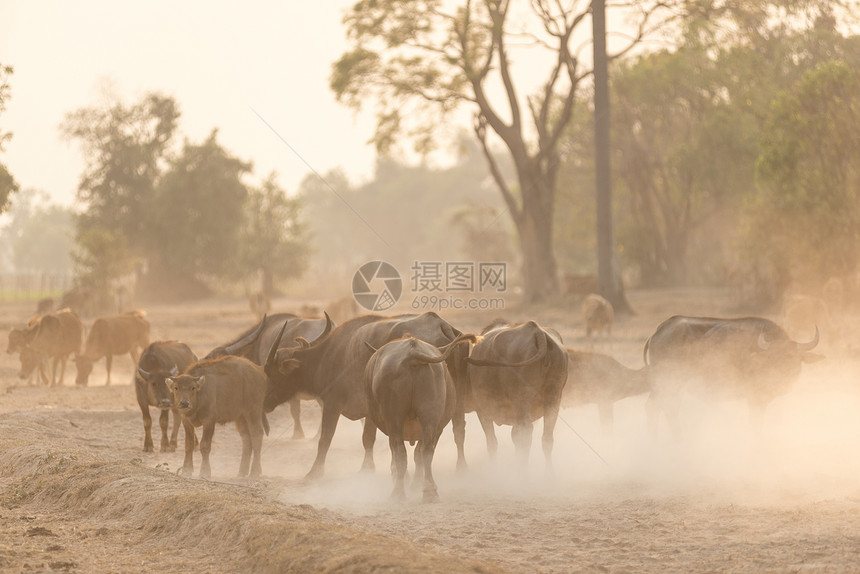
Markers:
point(34, 286)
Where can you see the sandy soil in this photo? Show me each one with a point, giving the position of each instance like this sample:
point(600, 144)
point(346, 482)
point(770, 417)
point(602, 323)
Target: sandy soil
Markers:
point(77, 494)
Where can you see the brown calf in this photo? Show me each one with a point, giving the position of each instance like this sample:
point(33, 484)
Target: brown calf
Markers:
point(220, 391)
point(53, 336)
point(109, 336)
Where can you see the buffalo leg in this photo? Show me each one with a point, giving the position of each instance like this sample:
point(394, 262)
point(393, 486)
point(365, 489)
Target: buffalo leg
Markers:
point(296, 411)
point(521, 434)
point(174, 434)
point(419, 464)
point(330, 415)
point(490, 432)
point(54, 363)
point(428, 448)
point(398, 458)
point(190, 439)
point(245, 464)
point(205, 449)
point(163, 422)
point(255, 429)
point(368, 439)
point(147, 429)
point(458, 425)
point(108, 363)
point(63, 362)
point(550, 418)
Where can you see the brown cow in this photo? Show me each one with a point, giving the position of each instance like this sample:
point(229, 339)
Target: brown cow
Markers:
point(411, 396)
point(517, 374)
point(160, 360)
point(55, 336)
point(600, 379)
point(109, 336)
point(598, 315)
point(220, 391)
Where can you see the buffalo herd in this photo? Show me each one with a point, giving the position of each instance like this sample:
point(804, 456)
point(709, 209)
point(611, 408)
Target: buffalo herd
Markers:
point(410, 375)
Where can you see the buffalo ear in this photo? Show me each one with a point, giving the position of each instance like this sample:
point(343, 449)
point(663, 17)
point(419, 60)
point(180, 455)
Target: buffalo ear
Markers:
point(198, 382)
point(171, 384)
point(174, 371)
point(288, 366)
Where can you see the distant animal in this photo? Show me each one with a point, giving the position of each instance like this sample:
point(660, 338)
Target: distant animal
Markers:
point(517, 373)
point(259, 303)
point(343, 309)
point(411, 396)
point(79, 299)
point(18, 340)
point(600, 379)
point(161, 359)
point(254, 344)
point(44, 306)
point(332, 370)
point(598, 315)
point(53, 336)
point(109, 336)
point(749, 358)
point(218, 391)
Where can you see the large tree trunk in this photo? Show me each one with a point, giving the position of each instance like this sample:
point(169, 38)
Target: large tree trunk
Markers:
point(540, 284)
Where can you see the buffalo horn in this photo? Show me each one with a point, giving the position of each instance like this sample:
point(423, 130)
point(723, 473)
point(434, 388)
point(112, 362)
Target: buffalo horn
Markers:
point(246, 340)
point(811, 344)
point(271, 358)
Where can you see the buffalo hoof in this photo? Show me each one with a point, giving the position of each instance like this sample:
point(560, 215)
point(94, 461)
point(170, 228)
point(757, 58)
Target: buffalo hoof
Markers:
point(187, 471)
point(298, 434)
point(430, 496)
point(148, 448)
point(168, 448)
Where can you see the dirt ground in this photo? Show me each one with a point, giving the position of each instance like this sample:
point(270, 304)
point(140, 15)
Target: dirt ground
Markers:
point(78, 494)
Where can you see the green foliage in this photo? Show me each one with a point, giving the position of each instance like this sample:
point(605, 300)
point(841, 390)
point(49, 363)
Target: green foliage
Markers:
point(272, 239)
point(8, 185)
point(124, 147)
point(808, 208)
point(101, 255)
point(197, 213)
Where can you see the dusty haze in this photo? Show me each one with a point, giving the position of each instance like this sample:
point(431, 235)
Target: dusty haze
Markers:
point(720, 499)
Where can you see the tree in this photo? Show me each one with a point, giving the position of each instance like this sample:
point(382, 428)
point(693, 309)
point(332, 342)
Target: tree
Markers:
point(46, 240)
point(196, 217)
point(8, 185)
point(124, 147)
point(807, 211)
point(422, 63)
point(272, 240)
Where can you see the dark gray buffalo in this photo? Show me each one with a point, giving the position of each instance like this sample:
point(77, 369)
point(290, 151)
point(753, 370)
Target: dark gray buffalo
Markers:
point(332, 370)
point(602, 380)
point(161, 359)
point(255, 343)
point(749, 358)
point(411, 397)
point(218, 391)
point(517, 374)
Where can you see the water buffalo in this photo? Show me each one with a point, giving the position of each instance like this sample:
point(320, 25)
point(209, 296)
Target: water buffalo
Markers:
point(111, 336)
point(517, 374)
point(750, 358)
point(218, 391)
point(411, 396)
point(161, 359)
point(55, 336)
point(332, 370)
point(254, 344)
point(601, 380)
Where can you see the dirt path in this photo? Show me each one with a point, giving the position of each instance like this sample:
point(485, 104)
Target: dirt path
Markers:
point(77, 494)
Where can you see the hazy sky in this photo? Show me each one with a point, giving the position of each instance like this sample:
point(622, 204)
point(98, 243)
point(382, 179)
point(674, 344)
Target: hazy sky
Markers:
point(221, 61)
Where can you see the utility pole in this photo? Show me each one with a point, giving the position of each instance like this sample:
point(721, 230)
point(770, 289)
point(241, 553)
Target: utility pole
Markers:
point(608, 270)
